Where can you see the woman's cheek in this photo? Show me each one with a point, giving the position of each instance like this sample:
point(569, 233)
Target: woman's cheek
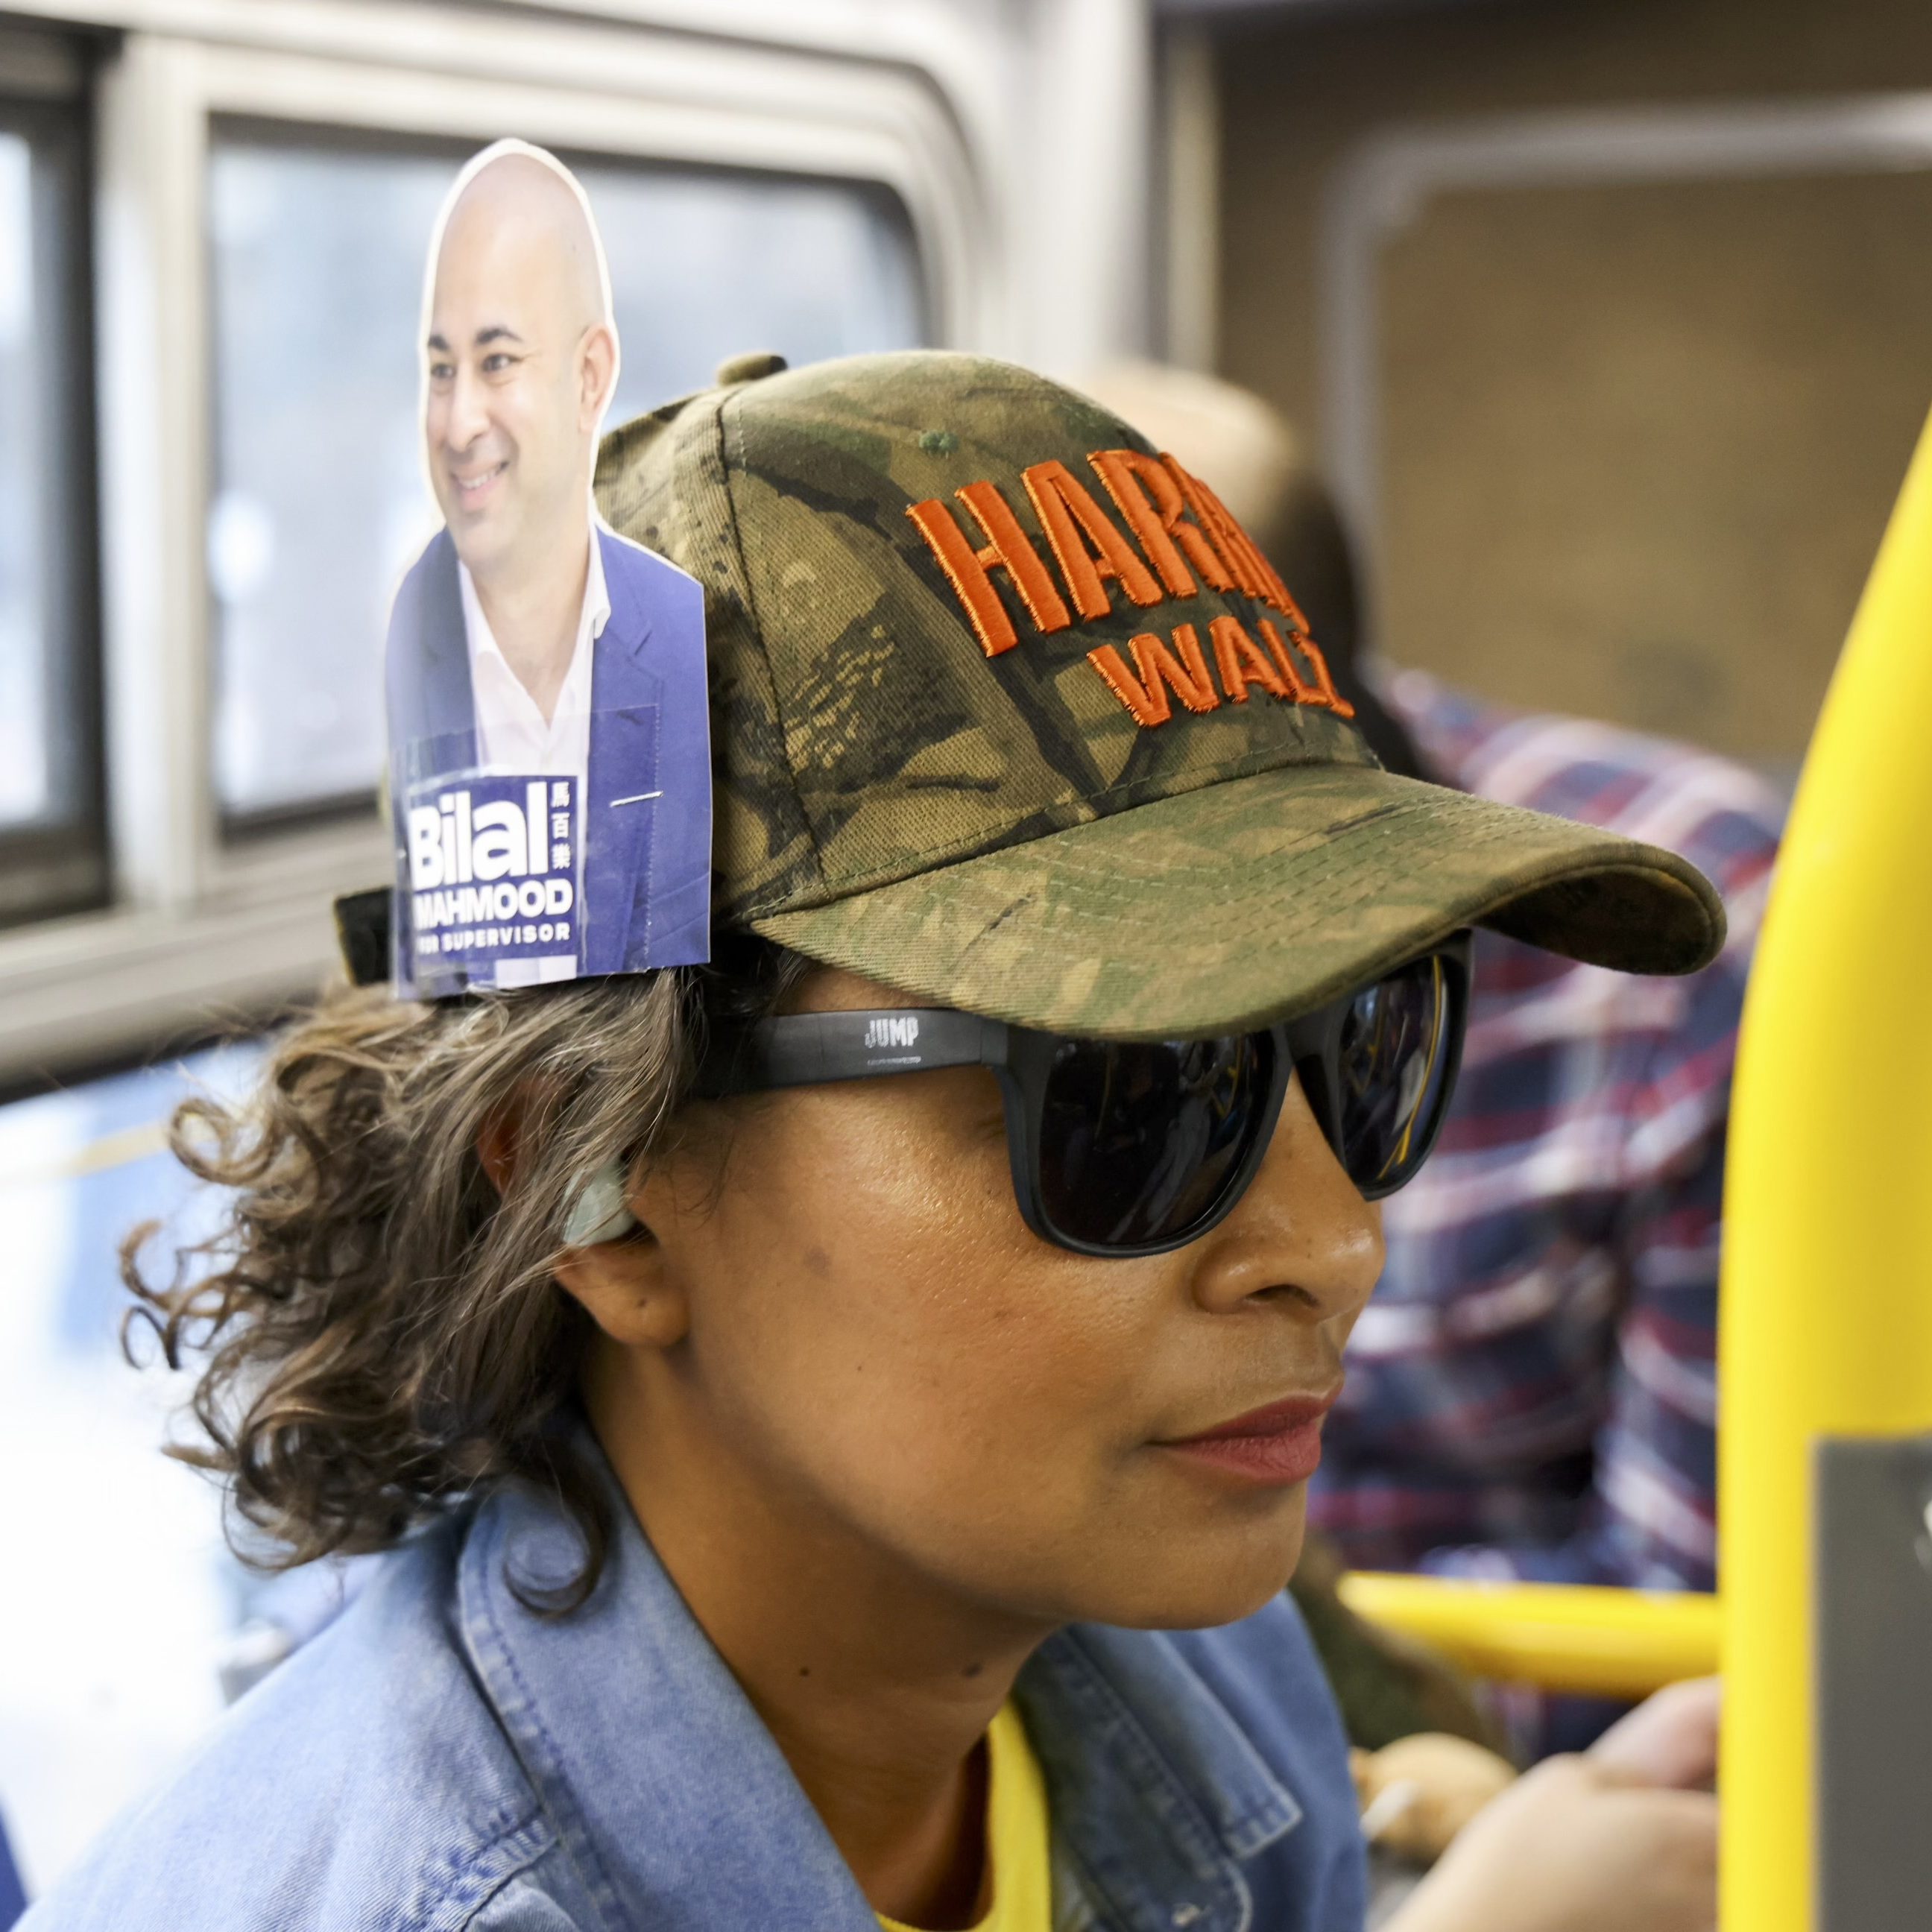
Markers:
point(898, 1332)
point(898, 1188)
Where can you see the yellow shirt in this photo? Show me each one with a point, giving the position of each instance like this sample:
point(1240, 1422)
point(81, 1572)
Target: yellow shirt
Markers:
point(1016, 1834)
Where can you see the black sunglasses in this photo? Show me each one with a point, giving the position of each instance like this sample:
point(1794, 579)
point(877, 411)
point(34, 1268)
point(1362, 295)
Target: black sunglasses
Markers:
point(1124, 1148)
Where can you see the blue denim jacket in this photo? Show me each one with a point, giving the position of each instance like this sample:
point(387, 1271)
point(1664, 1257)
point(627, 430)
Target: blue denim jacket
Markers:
point(441, 1757)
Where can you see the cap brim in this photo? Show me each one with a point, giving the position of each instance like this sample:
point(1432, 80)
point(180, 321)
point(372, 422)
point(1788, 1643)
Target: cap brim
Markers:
point(1247, 902)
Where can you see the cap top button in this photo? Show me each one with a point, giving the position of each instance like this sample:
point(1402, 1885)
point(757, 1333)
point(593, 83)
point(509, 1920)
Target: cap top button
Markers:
point(750, 367)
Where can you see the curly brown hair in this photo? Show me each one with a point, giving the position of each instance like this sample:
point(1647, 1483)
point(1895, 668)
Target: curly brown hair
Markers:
point(378, 1333)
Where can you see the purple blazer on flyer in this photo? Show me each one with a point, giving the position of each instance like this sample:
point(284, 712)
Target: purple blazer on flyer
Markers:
point(645, 823)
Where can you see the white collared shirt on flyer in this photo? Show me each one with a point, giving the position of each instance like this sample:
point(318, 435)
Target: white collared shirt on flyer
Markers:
point(512, 733)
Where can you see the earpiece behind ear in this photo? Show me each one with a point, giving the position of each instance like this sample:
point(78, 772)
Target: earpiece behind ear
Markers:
point(599, 1212)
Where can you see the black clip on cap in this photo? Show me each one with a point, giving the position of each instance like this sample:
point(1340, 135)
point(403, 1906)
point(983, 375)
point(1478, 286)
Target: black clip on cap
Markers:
point(362, 932)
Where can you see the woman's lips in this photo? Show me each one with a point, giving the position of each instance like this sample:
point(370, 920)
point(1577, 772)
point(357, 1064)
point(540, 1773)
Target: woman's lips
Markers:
point(1280, 1444)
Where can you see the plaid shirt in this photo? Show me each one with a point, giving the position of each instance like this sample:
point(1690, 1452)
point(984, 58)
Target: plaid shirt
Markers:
point(1532, 1391)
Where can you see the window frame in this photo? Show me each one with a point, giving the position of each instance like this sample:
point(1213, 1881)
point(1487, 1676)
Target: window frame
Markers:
point(1384, 183)
point(62, 867)
point(572, 105)
point(202, 930)
point(273, 822)
point(983, 120)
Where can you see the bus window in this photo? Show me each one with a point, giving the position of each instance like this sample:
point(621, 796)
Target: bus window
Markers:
point(318, 500)
point(52, 845)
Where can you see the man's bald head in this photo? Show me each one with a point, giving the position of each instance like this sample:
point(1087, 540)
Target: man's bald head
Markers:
point(519, 212)
point(522, 359)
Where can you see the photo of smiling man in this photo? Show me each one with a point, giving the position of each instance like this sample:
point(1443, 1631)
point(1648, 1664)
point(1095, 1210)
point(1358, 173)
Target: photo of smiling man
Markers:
point(548, 728)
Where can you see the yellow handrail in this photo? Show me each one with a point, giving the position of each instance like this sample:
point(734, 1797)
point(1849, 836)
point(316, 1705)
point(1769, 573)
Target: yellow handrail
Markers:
point(1611, 1643)
point(1827, 1293)
point(1826, 1320)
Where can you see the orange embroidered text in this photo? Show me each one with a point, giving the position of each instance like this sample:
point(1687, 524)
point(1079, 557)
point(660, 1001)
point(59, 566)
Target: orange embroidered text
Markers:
point(970, 570)
point(1160, 671)
point(1182, 670)
point(1187, 537)
point(1322, 690)
point(1085, 544)
point(1241, 662)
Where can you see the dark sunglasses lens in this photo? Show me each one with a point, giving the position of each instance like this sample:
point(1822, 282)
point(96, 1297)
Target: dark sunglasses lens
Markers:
point(1394, 1070)
point(1140, 1144)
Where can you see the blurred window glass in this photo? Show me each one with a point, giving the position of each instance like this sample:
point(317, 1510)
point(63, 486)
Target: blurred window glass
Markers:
point(52, 844)
point(320, 501)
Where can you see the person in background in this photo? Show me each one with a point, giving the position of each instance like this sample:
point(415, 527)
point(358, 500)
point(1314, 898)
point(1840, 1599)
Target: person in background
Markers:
point(1532, 1392)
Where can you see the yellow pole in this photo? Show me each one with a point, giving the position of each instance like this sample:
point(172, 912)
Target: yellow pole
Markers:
point(1827, 1297)
point(1562, 1636)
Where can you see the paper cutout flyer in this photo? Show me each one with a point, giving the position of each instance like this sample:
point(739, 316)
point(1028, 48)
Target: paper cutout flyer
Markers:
point(550, 770)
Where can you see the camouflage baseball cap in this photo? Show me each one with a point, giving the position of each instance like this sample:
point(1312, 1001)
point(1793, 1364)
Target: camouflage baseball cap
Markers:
point(1009, 713)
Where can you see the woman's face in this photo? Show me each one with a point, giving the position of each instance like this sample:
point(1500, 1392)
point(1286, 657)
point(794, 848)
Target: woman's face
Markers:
point(871, 1330)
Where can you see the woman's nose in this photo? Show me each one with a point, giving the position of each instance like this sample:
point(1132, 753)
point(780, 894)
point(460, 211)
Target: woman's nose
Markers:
point(1301, 1235)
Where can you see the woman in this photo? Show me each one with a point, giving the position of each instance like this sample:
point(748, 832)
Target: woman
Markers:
point(846, 1410)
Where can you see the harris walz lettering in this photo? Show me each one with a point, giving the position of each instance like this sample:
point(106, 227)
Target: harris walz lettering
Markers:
point(1179, 539)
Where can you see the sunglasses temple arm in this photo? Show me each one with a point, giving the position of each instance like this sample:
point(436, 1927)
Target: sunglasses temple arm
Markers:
point(804, 1050)
point(809, 1049)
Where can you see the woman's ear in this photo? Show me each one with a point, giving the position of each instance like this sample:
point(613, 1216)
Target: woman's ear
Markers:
point(498, 1142)
point(625, 1288)
point(620, 1281)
